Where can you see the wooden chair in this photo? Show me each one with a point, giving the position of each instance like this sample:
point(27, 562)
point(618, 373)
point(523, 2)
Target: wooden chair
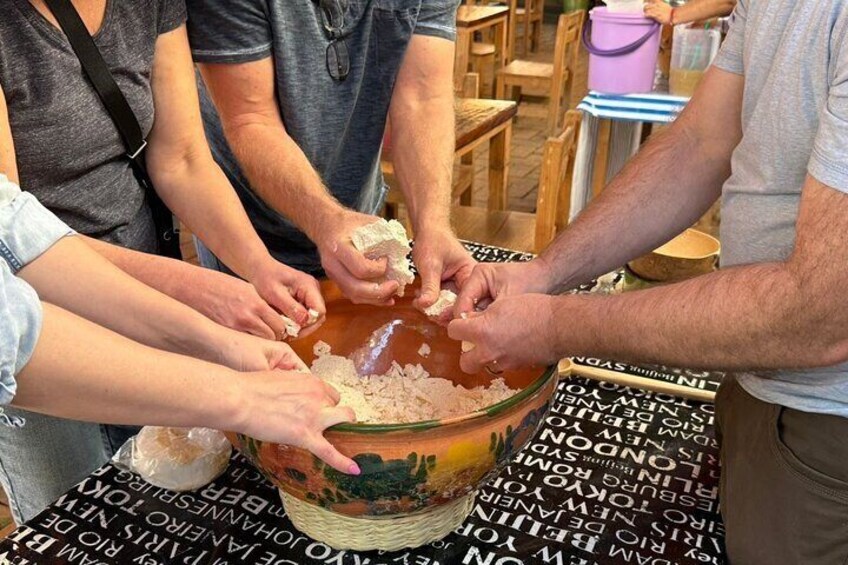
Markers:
point(556, 78)
point(529, 17)
point(525, 231)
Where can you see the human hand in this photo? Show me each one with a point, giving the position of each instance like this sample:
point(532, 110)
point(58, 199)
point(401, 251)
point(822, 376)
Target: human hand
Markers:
point(292, 409)
point(232, 303)
point(514, 332)
point(244, 353)
point(359, 278)
point(439, 256)
point(289, 291)
point(659, 11)
point(491, 281)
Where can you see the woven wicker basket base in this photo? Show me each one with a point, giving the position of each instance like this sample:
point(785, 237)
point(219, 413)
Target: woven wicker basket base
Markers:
point(386, 532)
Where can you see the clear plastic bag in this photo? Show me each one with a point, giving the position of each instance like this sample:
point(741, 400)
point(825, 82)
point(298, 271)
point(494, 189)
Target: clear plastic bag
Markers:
point(178, 459)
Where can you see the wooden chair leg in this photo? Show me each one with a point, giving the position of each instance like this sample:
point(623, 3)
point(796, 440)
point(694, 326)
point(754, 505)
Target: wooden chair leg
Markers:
point(537, 35)
point(533, 45)
point(467, 197)
point(500, 87)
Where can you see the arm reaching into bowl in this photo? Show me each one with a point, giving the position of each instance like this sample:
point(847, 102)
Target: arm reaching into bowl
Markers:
point(131, 308)
point(82, 371)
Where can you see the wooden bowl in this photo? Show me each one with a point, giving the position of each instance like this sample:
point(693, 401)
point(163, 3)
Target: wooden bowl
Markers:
point(418, 480)
point(690, 254)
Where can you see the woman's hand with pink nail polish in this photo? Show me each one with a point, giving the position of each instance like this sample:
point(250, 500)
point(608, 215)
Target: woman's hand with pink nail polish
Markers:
point(294, 409)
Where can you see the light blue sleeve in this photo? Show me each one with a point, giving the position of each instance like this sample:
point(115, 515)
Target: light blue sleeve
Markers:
point(20, 326)
point(731, 56)
point(27, 230)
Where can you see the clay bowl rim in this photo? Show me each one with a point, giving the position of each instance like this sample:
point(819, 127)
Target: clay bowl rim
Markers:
point(488, 411)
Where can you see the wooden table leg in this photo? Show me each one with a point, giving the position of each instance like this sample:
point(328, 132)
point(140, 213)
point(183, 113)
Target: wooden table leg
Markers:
point(499, 150)
point(463, 53)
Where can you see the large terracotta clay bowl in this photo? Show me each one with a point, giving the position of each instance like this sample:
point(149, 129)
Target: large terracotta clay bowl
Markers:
point(408, 470)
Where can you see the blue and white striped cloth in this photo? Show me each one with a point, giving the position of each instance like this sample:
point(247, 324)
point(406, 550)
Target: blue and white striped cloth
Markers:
point(654, 108)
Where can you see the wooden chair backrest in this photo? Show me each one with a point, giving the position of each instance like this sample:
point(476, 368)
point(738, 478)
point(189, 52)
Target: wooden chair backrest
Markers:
point(577, 20)
point(470, 86)
point(566, 51)
point(567, 43)
point(510, 30)
point(554, 199)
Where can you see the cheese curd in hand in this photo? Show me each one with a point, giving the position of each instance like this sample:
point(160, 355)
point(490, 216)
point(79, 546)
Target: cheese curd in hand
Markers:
point(387, 239)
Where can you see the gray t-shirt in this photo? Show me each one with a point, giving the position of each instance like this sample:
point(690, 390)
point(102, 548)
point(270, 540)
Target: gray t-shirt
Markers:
point(794, 56)
point(69, 153)
point(338, 125)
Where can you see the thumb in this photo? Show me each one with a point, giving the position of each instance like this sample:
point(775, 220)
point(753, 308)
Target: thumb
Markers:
point(431, 283)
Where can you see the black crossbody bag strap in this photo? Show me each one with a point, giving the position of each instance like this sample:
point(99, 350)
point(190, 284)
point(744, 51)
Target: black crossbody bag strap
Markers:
point(122, 115)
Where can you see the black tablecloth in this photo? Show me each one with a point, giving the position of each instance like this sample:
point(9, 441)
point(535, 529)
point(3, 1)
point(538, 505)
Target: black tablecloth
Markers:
point(614, 476)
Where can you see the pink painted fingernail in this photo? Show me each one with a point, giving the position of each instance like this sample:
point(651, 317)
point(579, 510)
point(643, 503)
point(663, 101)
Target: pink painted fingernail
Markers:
point(354, 469)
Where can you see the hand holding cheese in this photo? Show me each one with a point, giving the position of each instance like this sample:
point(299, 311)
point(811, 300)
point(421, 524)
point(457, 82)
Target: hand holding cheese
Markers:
point(439, 258)
point(490, 281)
point(514, 332)
point(361, 279)
point(293, 293)
point(387, 239)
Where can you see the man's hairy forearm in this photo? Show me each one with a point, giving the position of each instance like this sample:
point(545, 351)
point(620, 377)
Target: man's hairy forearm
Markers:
point(664, 189)
point(282, 175)
point(422, 154)
point(758, 317)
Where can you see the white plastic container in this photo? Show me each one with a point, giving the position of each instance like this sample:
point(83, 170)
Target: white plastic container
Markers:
point(625, 6)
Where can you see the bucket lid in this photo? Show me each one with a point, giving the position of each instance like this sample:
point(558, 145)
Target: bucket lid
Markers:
point(603, 13)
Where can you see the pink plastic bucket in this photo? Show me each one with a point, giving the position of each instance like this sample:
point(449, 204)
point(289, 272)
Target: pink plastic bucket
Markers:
point(623, 50)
